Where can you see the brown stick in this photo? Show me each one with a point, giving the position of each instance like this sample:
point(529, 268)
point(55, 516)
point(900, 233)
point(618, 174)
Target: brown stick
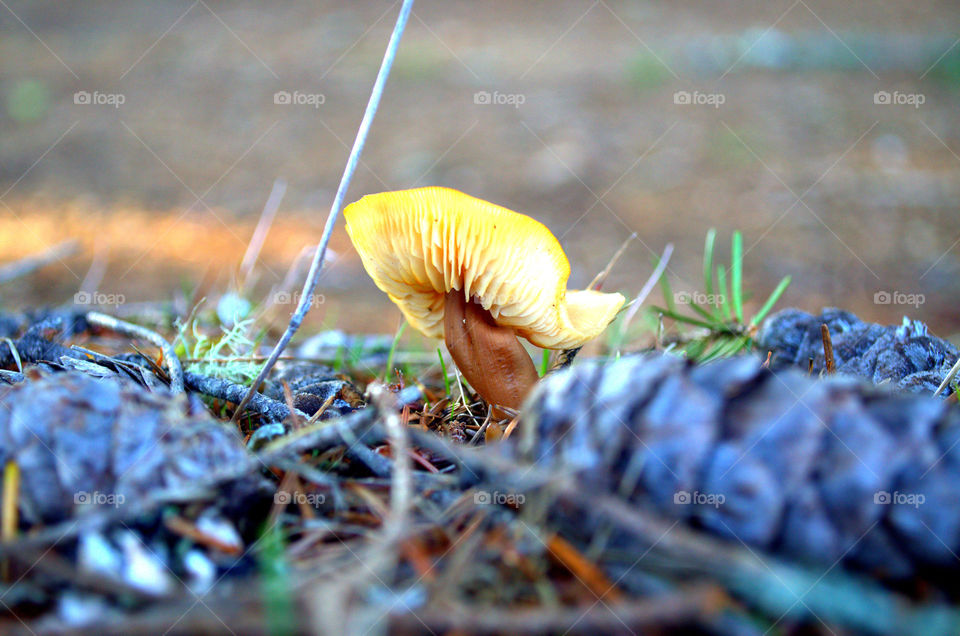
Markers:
point(588, 573)
point(830, 366)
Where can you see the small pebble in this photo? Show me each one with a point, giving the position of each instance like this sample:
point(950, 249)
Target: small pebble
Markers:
point(96, 554)
point(143, 567)
point(201, 572)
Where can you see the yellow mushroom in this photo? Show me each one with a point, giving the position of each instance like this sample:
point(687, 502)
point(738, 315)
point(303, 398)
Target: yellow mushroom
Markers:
point(477, 275)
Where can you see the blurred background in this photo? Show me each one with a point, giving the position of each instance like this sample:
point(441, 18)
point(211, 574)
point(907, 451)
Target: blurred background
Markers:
point(153, 133)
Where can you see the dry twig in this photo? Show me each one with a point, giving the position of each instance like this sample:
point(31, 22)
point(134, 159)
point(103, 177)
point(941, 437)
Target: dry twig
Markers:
point(829, 365)
point(170, 358)
point(26, 265)
point(685, 605)
point(400, 492)
point(635, 304)
point(313, 277)
point(260, 232)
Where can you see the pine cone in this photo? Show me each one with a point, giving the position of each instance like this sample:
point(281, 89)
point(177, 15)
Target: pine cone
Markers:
point(904, 355)
point(817, 470)
point(82, 440)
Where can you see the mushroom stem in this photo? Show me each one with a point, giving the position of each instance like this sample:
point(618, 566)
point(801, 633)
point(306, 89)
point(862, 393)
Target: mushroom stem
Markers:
point(489, 356)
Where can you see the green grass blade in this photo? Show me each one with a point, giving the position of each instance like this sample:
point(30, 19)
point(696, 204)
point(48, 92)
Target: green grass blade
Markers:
point(681, 318)
point(356, 352)
point(703, 312)
point(446, 378)
point(615, 333)
point(696, 350)
point(667, 292)
point(393, 350)
point(771, 301)
point(545, 363)
point(275, 591)
point(726, 348)
point(708, 261)
point(736, 280)
point(723, 293)
point(736, 345)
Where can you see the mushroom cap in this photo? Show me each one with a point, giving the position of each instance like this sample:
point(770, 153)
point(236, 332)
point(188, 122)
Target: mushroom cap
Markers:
point(419, 244)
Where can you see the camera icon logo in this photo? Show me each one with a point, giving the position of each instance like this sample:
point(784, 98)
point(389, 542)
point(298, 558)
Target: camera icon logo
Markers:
point(482, 498)
point(82, 498)
point(81, 97)
point(482, 97)
point(881, 497)
point(682, 97)
point(681, 498)
point(282, 98)
point(282, 497)
point(881, 97)
point(882, 298)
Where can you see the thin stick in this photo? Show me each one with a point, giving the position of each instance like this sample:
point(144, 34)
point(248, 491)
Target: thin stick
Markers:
point(950, 376)
point(645, 291)
point(483, 427)
point(601, 278)
point(463, 396)
point(306, 297)
point(11, 494)
point(295, 270)
point(98, 267)
point(588, 573)
point(14, 353)
point(26, 265)
point(328, 432)
point(263, 228)
point(231, 392)
point(512, 426)
point(186, 528)
point(829, 363)
point(402, 480)
point(323, 409)
point(169, 356)
point(682, 606)
point(9, 519)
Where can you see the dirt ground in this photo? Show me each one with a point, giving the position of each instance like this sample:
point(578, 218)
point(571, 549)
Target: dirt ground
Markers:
point(152, 132)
